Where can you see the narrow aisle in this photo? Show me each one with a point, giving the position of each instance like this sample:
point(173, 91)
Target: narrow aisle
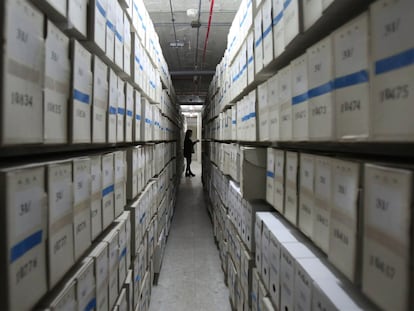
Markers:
point(191, 277)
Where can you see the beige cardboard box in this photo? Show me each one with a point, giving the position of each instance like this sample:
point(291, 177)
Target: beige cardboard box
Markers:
point(108, 179)
point(81, 205)
point(312, 11)
point(96, 197)
point(323, 201)
point(97, 24)
point(120, 129)
point(292, 20)
point(263, 107)
point(290, 253)
point(285, 102)
point(63, 298)
point(274, 108)
point(278, 28)
point(253, 166)
point(99, 100)
point(300, 103)
point(279, 186)
point(101, 272)
point(112, 106)
point(387, 235)
point(119, 37)
point(352, 100)
point(391, 51)
point(24, 230)
point(344, 217)
point(306, 194)
point(258, 42)
point(60, 221)
point(270, 176)
point(267, 32)
point(81, 94)
point(22, 82)
point(56, 86)
point(110, 30)
point(321, 99)
point(129, 114)
point(77, 18)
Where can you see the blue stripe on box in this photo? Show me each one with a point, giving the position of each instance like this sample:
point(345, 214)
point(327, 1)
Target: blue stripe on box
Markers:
point(130, 113)
point(300, 98)
point(119, 36)
point(80, 96)
point(110, 25)
point(91, 305)
point(112, 110)
point(124, 251)
point(252, 115)
point(278, 18)
point(121, 111)
point(259, 41)
point(100, 8)
point(137, 278)
point(352, 79)
point(321, 90)
point(250, 59)
point(25, 245)
point(233, 122)
point(108, 190)
point(138, 117)
point(137, 60)
point(270, 174)
point(147, 121)
point(267, 31)
point(395, 62)
point(245, 118)
point(286, 4)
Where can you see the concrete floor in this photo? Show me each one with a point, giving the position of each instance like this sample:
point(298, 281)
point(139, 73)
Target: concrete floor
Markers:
point(191, 277)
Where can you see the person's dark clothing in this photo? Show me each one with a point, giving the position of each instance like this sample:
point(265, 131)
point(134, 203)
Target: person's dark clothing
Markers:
point(188, 148)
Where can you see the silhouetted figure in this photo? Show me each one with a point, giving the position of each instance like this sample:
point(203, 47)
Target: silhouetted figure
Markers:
point(188, 151)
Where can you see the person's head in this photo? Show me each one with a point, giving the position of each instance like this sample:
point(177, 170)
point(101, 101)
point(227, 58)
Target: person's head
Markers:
point(188, 134)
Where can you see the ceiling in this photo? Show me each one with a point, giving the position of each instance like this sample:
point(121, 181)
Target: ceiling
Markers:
point(190, 75)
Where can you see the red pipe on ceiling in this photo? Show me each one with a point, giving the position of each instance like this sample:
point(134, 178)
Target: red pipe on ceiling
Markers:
point(208, 31)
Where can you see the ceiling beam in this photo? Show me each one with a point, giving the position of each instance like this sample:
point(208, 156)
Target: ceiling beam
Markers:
point(192, 73)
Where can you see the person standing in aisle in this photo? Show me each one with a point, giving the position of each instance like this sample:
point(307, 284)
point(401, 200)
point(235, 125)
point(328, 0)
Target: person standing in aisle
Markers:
point(188, 151)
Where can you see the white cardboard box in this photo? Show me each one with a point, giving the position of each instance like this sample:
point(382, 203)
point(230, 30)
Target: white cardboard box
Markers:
point(344, 217)
point(60, 221)
point(306, 194)
point(110, 30)
point(258, 42)
point(56, 86)
point(279, 186)
point(391, 51)
point(24, 228)
point(291, 186)
point(101, 272)
point(81, 94)
point(285, 101)
point(129, 113)
point(263, 106)
point(22, 86)
point(387, 235)
point(278, 28)
point(323, 201)
point(81, 205)
point(99, 100)
point(77, 18)
point(290, 253)
point(274, 108)
point(267, 32)
point(291, 20)
point(312, 11)
point(63, 299)
point(127, 46)
point(250, 57)
point(120, 130)
point(137, 118)
point(300, 103)
point(86, 285)
point(132, 173)
point(96, 197)
point(112, 106)
point(108, 204)
point(119, 37)
point(270, 176)
point(352, 100)
point(97, 23)
point(55, 9)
